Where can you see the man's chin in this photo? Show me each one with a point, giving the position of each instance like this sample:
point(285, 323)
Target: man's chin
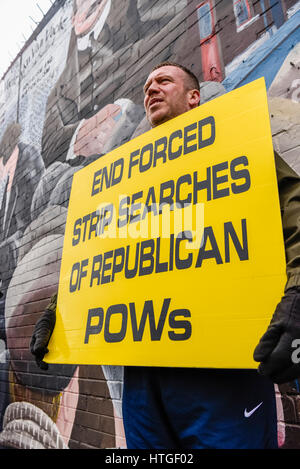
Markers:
point(157, 119)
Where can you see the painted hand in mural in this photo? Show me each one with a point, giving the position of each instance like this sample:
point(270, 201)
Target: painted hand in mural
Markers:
point(26, 426)
point(87, 14)
point(95, 131)
point(275, 349)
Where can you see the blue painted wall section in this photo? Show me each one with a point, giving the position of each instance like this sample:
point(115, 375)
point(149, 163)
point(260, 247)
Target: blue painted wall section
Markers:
point(267, 60)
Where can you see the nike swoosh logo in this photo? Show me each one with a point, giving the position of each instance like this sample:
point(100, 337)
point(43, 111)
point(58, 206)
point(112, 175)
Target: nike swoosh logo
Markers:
point(248, 414)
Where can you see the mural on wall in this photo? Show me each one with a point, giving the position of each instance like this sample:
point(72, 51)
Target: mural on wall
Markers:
point(23, 98)
point(74, 94)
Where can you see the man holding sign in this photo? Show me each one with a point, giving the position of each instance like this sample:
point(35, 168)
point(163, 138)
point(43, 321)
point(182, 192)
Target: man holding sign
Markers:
point(170, 407)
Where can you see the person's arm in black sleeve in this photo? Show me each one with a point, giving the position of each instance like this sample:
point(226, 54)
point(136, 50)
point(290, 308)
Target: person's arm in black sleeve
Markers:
point(275, 348)
point(42, 333)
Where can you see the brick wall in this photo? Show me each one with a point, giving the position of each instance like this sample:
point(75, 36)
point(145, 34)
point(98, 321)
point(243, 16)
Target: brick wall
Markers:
point(73, 94)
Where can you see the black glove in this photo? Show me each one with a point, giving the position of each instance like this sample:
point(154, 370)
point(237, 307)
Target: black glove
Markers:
point(42, 333)
point(276, 349)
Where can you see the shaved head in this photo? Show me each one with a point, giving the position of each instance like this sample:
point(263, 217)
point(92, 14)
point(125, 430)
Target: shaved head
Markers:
point(191, 79)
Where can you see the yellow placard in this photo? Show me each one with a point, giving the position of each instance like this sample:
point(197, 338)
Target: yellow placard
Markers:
point(173, 252)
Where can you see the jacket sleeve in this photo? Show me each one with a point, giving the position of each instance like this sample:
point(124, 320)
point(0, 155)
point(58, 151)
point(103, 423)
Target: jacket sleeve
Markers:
point(289, 196)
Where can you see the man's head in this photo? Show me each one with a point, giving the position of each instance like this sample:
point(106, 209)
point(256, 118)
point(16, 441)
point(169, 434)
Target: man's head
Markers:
point(170, 90)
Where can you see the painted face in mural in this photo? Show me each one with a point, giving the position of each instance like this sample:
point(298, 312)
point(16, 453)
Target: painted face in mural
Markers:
point(88, 12)
point(168, 95)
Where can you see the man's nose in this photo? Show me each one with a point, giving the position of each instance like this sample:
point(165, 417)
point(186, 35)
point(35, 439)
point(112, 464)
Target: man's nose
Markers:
point(153, 88)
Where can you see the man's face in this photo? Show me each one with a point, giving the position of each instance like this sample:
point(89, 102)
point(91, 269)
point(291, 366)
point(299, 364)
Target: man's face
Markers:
point(87, 14)
point(166, 95)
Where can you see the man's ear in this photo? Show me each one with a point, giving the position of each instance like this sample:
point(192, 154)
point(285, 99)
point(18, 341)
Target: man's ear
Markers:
point(194, 98)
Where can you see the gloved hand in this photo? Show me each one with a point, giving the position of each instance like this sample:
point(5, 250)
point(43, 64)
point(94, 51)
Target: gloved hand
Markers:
point(276, 349)
point(42, 333)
